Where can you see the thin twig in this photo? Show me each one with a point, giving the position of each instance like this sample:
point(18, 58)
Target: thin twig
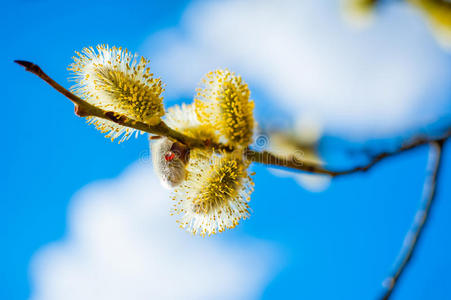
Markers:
point(413, 236)
point(85, 109)
point(267, 158)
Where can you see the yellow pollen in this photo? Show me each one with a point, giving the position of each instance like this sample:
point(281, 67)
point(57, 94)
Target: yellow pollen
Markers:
point(224, 104)
point(113, 79)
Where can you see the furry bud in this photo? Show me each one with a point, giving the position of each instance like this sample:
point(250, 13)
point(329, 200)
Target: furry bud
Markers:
point(169, 160)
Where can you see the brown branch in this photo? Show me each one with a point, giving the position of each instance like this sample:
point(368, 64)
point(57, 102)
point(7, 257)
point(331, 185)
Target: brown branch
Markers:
point(413, 236)
point(292, 162)
point(85, 109)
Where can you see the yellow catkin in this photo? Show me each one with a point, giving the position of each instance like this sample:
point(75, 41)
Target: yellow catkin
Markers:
point(215, 194)
point(115, 80)
point(438, 14)
point(223, 103)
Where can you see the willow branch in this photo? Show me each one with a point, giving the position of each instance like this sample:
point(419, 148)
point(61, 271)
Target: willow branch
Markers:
point(85, 109)
point(292, 162)
point(421, 217)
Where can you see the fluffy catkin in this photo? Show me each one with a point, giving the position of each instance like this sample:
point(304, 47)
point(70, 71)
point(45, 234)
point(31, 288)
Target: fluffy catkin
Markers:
point(116, 80)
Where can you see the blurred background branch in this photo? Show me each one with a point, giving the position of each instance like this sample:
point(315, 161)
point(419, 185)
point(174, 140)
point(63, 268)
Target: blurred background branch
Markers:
point(413, 236)
point(295, 160)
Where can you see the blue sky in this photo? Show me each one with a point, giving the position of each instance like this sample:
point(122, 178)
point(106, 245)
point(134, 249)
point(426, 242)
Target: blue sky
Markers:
point(337, 244)
point(48, 145)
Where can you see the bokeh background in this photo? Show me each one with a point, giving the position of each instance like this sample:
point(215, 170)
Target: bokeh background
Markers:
point(84, 218)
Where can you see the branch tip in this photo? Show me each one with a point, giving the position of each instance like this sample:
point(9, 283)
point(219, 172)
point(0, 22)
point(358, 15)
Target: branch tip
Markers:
point(26, 64)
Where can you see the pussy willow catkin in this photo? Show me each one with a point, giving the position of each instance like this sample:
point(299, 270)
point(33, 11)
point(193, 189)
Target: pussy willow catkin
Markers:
point(115, 80)
point(215, 194)
point(223, 102)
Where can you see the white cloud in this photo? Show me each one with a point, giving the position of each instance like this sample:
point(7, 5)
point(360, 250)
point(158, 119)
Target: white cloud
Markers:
point(302, 55)
point(122, 244)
